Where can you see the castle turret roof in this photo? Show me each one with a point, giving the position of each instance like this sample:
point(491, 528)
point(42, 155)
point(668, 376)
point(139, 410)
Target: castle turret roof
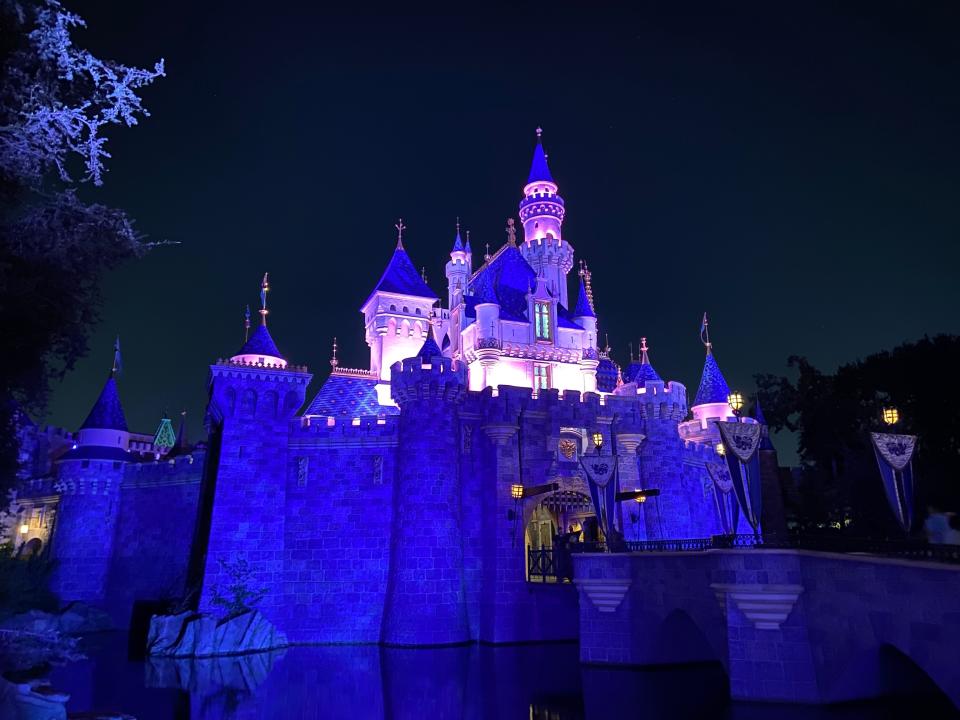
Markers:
point(607, 372)
point(713, 386)
point(260, 343)
point(458, 242)
point(429, 350)
point(539, 170)
point(583, 308)
point(402, 278)
point(107, 412)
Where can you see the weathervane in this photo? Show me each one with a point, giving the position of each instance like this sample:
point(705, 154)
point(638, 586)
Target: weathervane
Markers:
point(333, 359)
point(400, 228)
point(246, 324)
point(705, 333)
point(264, 289)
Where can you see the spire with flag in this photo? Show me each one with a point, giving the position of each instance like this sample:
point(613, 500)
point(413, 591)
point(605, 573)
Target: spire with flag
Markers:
point(117, 360)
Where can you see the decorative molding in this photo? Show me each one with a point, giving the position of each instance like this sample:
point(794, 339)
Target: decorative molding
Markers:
point(766, 606)
point(500, 432)
point(606, 594)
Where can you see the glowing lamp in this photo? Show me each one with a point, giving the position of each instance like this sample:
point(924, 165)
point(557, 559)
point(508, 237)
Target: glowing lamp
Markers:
point(721, 450)
point(641, 498)
point(24, 529)
point(735, 401)
point(597, 438)
point(891, 416)
point(516, 492)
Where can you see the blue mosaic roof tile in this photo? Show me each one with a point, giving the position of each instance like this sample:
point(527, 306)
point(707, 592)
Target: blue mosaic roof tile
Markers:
point(260, 343)
point(402, 278)
point(713, 387)
point(107, 412)
point(344, 396)
point(506, 280)
point(606, 375)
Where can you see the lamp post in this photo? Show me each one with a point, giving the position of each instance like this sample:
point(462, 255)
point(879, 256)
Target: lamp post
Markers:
point(735, 401)
point(721, 450)
point(891, 416)
point(597, 438)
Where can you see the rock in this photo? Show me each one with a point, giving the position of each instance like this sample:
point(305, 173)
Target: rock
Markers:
point(165, 633)
point(250, 632)
point(192, 635)
point(35, 621)
point(79, 618)
point(31, 701)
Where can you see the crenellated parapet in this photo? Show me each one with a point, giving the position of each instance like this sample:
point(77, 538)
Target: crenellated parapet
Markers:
point(417, 379)
point(256, 391)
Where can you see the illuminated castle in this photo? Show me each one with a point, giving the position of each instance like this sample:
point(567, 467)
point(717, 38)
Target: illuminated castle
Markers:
point(386, 509)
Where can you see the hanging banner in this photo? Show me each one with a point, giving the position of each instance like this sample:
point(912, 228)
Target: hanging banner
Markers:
point(726, 500)
point(601, 475)
point(894, 457)
point(741, 441)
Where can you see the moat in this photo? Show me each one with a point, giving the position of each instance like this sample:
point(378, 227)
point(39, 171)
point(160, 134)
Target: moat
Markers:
point(541, 682)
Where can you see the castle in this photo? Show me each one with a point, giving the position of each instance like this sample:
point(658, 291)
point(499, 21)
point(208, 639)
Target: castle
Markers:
point(399, 504)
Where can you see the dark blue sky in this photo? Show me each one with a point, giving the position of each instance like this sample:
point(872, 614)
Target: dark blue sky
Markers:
point(792, 171)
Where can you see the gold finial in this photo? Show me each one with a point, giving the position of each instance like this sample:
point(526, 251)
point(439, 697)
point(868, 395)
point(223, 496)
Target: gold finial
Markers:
point(606, 339)
point(246, 324)
point(264, 289)
point(643, 351)
point(587, 286)
point(400, 228)
point(333, 358)
point(539, 132)
point(423, 274)
point(458, 224)
point(486, 257)
point(630, 345)
point(705, 334)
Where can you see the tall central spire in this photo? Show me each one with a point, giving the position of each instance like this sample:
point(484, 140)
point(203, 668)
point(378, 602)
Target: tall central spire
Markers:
point(541, 213)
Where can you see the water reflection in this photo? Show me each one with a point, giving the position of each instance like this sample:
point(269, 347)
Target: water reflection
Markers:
point(544, 682)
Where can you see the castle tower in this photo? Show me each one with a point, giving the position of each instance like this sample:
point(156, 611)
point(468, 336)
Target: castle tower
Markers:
point(585, 317)
point(711, 402)
point(458, 270)
point(541, 212)
point(253, 397)
point(425, 602)
point(88, 480)
point(397, 315)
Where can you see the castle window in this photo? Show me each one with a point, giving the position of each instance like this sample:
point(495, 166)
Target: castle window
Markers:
point(541, 377)
point(541, 313)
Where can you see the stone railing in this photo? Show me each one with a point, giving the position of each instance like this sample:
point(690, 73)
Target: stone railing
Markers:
point(353, 372)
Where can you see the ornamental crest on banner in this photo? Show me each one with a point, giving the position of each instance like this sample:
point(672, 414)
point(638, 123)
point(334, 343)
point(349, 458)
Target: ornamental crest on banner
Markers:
point(721, 477)
point(599, 471)
point(742, 438)
point(896, 450)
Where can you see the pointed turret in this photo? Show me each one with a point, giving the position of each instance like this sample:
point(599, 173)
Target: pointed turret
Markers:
point(458, 270)
point(539, 169)
point(642, 371)
point(259, 348)
point(104, 434)
point(583, 308)
point(429, 350)
point(541, 213)
point(713, 386)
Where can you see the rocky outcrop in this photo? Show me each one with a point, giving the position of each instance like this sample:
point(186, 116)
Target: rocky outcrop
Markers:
point(75, 619)
point(193, 635)
point(35, 700)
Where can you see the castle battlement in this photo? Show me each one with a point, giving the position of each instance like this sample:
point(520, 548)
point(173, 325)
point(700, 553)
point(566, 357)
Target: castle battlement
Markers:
point(166, 471)
point(437, 378)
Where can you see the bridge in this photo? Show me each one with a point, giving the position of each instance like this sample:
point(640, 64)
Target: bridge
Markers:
point(788, 624)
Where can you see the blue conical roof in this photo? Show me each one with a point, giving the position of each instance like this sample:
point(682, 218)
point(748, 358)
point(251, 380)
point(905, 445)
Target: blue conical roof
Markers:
point(429, 350)
point(713, 387)
point(458, 243)
point(402, 278)
point(539, 170)
point(107, 412)
point(583, 308)
point(260, 343)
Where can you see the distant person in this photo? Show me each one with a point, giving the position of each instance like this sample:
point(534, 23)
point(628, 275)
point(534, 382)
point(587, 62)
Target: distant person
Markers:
point(937, 527)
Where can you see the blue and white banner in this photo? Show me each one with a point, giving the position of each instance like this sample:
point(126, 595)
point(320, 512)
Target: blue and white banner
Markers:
point(601, 472)
point(741, 441)
point(894, 457)
point(726, 500)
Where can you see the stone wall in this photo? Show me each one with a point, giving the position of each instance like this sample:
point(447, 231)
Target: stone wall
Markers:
point(791, 626)
point(155, 532)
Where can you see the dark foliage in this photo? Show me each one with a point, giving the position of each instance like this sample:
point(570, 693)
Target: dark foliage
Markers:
point(833, 414)
point(56, 102)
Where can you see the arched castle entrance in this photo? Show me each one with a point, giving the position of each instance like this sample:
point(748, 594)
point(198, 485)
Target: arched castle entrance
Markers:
point(561, 518)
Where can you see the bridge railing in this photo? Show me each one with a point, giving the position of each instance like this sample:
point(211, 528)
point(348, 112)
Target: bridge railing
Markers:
point(546, 564)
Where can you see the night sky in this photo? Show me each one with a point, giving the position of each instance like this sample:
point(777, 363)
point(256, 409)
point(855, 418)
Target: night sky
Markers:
point(792, 171)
